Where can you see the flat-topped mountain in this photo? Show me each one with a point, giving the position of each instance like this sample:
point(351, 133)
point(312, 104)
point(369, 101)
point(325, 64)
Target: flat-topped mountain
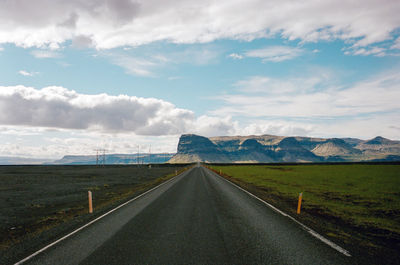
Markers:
point(270, 148)
point(198, 148)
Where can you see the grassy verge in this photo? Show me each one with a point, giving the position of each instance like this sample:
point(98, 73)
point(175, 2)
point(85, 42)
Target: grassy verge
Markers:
point(355, 205)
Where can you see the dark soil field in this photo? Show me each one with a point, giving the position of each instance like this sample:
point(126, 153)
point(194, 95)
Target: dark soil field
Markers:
point(41, 203)
point(355, 205)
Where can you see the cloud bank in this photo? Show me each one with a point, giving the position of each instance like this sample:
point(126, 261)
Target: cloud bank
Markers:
point(315, 106)
point(58, 107)
point(106, 24)
point(311, 97)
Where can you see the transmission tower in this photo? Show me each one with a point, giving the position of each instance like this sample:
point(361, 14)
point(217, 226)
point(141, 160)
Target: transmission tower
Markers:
point(100, 157)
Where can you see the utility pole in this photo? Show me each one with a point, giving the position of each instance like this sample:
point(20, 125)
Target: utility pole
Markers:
point(138, 154)
point(149, 155)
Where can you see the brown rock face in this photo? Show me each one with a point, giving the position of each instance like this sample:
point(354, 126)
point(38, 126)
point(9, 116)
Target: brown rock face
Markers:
point(270, 148)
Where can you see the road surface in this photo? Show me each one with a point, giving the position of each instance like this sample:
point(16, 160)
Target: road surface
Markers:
point(196, 218)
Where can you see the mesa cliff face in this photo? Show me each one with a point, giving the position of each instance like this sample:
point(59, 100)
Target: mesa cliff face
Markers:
point(194, 148)
point(270, 148)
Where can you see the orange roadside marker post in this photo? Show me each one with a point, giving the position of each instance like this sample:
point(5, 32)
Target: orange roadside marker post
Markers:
point(220, 172)
point(299, 204)
point(90, 202)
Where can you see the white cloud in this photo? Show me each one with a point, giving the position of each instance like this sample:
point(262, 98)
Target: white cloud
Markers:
point(116, 23)
point(215, 126)
point(268, 85)
point(235, 56)
point(26, 73)
point(135, 66)
point(34, 142)
point(376, 51)
point(282, 128)
point(358, 127)
point(44, 143)
point(1, 49)
point(55, 121)
point(203, 55)
point(60, 108)
point(311, 98)
point(364, 127)
point(145, 64)
point(275, 53)
point(314, 106)
point(42, 54)
point(82, 41)
point(396, 44)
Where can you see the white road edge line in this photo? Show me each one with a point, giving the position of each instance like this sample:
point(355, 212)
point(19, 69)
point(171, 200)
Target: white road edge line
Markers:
point(309, 230)
point(93, 221)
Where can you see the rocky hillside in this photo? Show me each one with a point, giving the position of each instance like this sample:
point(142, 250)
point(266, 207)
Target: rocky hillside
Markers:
point(270, 148)
point(335, 147)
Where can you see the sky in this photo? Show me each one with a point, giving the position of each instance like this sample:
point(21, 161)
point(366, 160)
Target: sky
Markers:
point(125, 75)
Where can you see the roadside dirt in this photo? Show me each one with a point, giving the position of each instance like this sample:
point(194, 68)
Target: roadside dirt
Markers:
point(41, 203)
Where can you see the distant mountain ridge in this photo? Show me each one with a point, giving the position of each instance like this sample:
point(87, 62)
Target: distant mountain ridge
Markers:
point(110, 159)
point(245, 149)
point(114, 159)
point(271, 148)
point(14, 160)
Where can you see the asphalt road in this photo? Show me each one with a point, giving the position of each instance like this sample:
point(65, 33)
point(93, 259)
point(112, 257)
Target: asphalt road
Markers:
point(197, 218)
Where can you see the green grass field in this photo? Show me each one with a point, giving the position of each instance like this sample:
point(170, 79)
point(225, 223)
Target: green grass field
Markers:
point(360, 196)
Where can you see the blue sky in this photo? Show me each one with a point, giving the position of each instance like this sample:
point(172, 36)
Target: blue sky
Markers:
point(79, 75)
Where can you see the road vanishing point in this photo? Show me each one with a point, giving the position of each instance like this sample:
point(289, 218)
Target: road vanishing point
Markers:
point(195, 218)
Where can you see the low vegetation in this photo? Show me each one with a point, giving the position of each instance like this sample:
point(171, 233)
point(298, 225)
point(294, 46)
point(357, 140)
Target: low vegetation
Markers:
point(351, 204)
point(38, 199)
